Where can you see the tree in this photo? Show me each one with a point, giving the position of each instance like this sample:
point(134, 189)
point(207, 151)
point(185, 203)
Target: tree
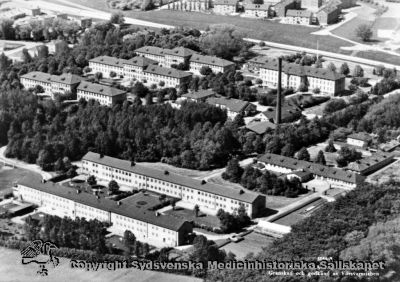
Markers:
point(117, 18)
point(358, 71)
point(205, 70)
point(7, 30)
point(320, 158)
point(303, 154)
point(347, 155)
point(113, 74)
point(91, 180)
point(288, 150)
point(331, 66)
point(364, 31)
point(330, 148)
point(344, 69)
point(42, 51)
point(147, 5)
point(196, 210)
point(98, 76)
point(113, 187)
point(233, 171)
point(303, 87)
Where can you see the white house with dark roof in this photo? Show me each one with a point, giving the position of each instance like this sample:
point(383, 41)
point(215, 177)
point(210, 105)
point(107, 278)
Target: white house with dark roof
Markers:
point(302, 17)
point(217, 65)
point(171, 77)
point(176, 56)
point(359, 139)
point(135, 67)
point(225, 7)
point(233, 106)
point(151, 52)
point(258, 10)
point(148, 226)
point(52, 84)
point(289, 112)
point(210, 197)
point(105, 95)
point(32, 79)
point(334, 176)
point(327, 81)
point(106, 65)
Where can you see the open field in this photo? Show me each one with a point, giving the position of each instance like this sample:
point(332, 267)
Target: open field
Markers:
point(251, 243)
point(258, 29)
point(365, 15)
point(9, 175)
point(11, 269)
point(189, 215)
point(379, 56)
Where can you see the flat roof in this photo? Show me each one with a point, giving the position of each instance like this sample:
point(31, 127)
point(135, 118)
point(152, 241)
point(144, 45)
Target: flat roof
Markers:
point(363, 136)
point(245, 196)
point(131, 211)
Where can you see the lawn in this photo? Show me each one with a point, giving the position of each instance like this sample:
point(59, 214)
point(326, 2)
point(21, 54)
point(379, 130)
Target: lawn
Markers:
point(379, 56)
point(257, 29)
point(8, 176)
point(300, 214)
point(252, 243)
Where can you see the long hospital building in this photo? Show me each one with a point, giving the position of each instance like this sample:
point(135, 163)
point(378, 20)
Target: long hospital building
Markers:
point(149, 227)
point(293, 75)
point(210, 197)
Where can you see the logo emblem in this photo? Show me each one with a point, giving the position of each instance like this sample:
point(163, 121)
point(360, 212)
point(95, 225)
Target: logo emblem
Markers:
point(40, 252)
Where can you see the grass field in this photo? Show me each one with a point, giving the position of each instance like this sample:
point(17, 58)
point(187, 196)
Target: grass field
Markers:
point(386, 174)
point(257, 29)
point(379, 56)
point(8, 176)
point(11, 270)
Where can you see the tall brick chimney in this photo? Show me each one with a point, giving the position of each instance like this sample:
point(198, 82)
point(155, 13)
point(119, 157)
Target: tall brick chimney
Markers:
point(278, 117)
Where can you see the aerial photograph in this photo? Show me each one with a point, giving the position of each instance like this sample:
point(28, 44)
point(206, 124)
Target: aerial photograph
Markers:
point(200, 140)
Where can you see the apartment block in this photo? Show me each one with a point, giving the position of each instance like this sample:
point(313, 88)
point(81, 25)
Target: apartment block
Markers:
point(217, 65)
point(149, 227)
point(210, 197)
point(105, 95)
point(329, 82)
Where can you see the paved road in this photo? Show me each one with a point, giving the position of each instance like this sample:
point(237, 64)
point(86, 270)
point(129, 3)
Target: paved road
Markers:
point(82, 11)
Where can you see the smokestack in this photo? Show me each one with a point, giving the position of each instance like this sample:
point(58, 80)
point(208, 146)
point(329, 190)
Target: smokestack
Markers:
point(279, 94)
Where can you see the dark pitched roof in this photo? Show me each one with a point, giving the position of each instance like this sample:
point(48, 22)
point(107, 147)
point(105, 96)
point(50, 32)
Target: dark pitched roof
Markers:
point(140, 61)
point(201, 94)
point(210, 60)
point(366, 163)
point(360, 136)
point(260, 127)
point(91, 200)
point(107, 60)
point(234, 105)
point(66, 78)
point(317, 169)
point(179, 51)
point(296, 69)
point(298, 13)
point(289, 111)
point(177, 179)
point(37, 75)
point(259, 60)
point(152, 50)
point(100, 89)
point(167, 71)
